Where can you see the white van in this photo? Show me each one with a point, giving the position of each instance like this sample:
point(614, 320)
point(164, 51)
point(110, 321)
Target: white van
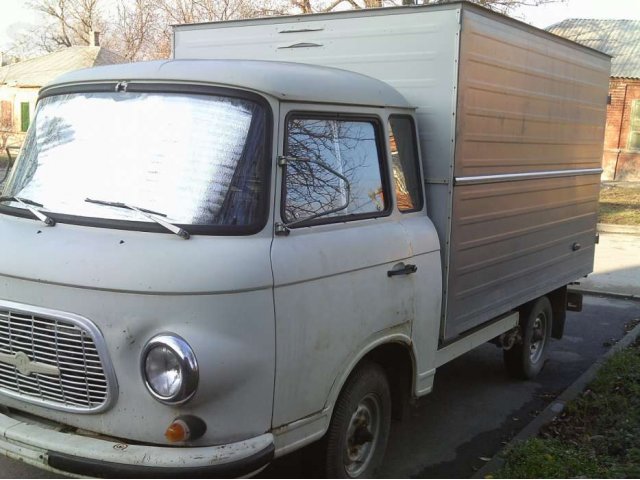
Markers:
point(279, 235)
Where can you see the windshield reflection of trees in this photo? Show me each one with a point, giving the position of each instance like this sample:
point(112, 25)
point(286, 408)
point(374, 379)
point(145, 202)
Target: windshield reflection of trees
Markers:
point(341, 145)
point(54, 132)
point(46, 133)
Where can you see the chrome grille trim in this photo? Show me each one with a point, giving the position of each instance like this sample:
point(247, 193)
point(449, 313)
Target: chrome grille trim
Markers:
point(73, 344)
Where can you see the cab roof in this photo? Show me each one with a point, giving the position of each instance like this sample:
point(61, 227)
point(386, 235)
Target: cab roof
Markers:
point(286, 81)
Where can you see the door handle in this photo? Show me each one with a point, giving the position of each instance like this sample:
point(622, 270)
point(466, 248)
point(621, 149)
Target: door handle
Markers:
point(402, 269)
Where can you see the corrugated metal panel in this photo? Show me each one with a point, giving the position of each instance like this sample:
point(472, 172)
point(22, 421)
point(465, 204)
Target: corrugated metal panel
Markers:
point(513, 241)
point(526, 104)
point(618, 38)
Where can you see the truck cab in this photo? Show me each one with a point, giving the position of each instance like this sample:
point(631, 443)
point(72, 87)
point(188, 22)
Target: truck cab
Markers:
point(162, 216)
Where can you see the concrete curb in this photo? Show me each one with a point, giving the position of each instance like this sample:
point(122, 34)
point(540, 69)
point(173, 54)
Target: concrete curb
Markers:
point(557, 406)
point(603, 293)
point(613, 228)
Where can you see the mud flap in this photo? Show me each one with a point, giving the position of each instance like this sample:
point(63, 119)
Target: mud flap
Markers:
point(574, 301)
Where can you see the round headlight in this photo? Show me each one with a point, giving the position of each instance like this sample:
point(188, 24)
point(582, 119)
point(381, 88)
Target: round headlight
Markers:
point(170, 369)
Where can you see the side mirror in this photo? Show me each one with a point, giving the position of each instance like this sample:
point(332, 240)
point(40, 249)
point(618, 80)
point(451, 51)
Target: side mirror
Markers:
point(315, 194)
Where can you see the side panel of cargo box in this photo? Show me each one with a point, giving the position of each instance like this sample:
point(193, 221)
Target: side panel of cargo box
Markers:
point(531, 115)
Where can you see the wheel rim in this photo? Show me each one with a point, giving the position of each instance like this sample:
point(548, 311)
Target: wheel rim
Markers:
point(362, 436)
point(538, 338)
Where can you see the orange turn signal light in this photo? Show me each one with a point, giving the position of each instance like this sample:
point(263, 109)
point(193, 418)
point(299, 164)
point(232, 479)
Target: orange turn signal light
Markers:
point(178, 431)
point(185, 428)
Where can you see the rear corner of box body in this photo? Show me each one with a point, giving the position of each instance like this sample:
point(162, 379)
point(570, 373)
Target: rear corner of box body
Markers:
point(531, 115)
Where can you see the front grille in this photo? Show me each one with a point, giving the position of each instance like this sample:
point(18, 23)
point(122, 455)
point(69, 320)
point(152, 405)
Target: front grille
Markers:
point(51, 361)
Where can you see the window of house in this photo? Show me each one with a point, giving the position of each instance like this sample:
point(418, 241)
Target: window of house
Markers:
point(333, 170)
point(6, 115)
point(634, 135)
point(404, 161)
point(25, 119)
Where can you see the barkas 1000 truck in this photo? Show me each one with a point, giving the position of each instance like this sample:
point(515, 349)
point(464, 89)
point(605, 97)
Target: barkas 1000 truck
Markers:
point(280, 234)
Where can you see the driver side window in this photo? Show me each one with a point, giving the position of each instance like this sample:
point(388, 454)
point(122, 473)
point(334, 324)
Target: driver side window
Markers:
point(333, 170)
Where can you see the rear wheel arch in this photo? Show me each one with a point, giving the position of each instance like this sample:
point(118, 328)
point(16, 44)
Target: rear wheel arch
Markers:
point(558, 299)
point(527, 357)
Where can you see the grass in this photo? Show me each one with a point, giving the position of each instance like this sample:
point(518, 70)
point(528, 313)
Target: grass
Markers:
point(620, 205)
point(597, 435)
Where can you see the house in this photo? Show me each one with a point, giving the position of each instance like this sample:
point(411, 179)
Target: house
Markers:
point(20, 83)
point(620, 39)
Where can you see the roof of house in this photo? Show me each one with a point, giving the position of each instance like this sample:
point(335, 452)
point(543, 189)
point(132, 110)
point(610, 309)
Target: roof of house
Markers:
point(39, 71)
point(284, 80)
point(618, 38)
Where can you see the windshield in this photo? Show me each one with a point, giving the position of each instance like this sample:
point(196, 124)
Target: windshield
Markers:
point(198, 159)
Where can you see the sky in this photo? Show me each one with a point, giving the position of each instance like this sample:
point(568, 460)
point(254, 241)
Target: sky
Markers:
point(546, 15)
point(14, 13)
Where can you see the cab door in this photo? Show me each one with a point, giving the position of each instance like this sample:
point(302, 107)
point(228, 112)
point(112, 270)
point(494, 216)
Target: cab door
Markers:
point(341, 261)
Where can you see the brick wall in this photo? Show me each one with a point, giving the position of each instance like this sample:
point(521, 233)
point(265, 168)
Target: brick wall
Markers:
point(618, 162)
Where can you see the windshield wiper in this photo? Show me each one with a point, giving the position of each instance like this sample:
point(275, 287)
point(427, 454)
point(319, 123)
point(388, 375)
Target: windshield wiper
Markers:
point(150, 214)
point(29, 204)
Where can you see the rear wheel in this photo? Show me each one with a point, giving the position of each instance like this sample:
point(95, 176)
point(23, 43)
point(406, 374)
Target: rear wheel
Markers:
point(526, 358)
point(358, 432)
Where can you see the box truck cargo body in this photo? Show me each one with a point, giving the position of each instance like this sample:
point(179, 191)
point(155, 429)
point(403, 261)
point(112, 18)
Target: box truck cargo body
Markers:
point(511, 121)
point(280, 234)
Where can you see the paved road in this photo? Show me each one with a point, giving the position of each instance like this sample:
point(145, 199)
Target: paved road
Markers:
point(475, 406)
point(617, 265)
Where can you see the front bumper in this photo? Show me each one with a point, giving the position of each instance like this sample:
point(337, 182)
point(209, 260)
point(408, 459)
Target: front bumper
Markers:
point(78, 455)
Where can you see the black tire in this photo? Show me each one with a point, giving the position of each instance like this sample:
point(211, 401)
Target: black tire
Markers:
point(356, 451)
point(525, 359)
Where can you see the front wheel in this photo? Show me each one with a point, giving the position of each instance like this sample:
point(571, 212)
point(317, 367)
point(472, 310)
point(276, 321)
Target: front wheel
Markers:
point(526, 358)
point(358, 432)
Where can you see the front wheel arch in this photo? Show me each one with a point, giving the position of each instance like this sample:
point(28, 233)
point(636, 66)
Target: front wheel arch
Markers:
point(356, 439)
point(396, 361)
point(396, 356)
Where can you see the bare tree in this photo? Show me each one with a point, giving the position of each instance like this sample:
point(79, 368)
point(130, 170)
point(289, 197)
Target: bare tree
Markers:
point(6, 124)
point(69, 22)
point(141, 29)
point(6, 132)
point(135, 30)
point(25, 44)
point(317, 6)
point(172, 12)
point(503, 6)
